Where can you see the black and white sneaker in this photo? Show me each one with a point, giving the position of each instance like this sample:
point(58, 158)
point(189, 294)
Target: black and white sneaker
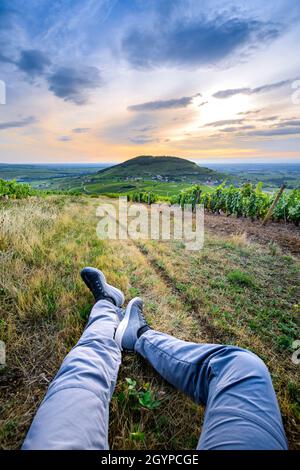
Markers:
point(96, 282)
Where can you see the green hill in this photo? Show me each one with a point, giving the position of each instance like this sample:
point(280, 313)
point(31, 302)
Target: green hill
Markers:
point(162, 168)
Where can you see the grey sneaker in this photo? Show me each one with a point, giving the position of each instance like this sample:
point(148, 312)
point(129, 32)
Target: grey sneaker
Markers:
point(96, 282)
point(133, 322)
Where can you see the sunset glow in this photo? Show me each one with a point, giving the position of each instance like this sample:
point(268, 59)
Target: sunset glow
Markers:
point(102, 81)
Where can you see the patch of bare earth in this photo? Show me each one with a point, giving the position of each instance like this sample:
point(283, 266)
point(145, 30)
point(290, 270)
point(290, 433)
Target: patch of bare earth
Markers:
point(287, 236)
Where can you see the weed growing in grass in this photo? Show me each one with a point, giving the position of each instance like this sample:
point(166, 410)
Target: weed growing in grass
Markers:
point(137, 435)
point(144, 397)
point(273, 248)
point(134, 292)
point(240, 278)
point(283, 342)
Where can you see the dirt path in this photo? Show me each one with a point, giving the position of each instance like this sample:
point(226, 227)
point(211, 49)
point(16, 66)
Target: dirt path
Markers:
point(287, 236)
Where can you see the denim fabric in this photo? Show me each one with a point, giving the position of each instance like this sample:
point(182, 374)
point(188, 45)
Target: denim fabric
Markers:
point(75, 411)
point(241, 406)
point(234, 384)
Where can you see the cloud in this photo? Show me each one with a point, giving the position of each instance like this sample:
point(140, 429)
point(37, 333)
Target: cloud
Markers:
point(250, 91)
point(250, 112)
point(6, 16)
point(5, 59)
point(266, 119)
point(193, 42)
point(224, 122)
point(137, 128)
point(142, 139)
point(231, 92)
point(271, 86)
point(202, 104)
point(81, 130)
point(163, 104)
point(33, 62)
point(290, 122)
point(146, 129)
point(275, 132)
point(237, 129)
point(64, 138)
point(17, 124)
point(74, 83)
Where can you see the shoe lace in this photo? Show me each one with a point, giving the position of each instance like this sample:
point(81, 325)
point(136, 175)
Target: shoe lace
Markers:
point(141, 313)
point(99, 286)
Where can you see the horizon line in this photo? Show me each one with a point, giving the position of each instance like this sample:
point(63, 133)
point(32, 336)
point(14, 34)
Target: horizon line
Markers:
point(198, 161)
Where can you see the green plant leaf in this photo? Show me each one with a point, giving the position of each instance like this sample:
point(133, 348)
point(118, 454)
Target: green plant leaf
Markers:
point(137, 436)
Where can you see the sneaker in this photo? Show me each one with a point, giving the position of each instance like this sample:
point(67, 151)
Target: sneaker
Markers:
point(132, 325)
point(96, 282)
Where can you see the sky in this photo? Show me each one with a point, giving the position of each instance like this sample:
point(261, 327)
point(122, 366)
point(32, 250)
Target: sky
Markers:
point(90, 81)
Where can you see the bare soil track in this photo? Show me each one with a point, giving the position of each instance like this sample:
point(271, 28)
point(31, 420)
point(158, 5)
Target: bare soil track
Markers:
point(287, 236)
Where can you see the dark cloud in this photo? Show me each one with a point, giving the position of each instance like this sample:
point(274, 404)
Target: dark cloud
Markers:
point(5, 59)
point(250, 91)
point(271, 86)
point(276, 131)
point(81, 130)
point(74, 84)
point(250, 112)
point(290, 122)
point(202, 104)
point(33, 62)
point(163, 104)
point(193, 43)
point(64, 138)
point(231, 92)
point(16, 124)
point(224, 122)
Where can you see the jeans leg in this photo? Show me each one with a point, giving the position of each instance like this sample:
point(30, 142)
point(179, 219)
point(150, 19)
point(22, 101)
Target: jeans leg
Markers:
point(241, 406)
point(75, 411)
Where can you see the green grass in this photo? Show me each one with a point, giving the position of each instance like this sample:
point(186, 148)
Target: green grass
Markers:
point(231, 292)
point(240, 278)
point(241, 295)
point(127, 187)
point(147, 166)
point(39, 174)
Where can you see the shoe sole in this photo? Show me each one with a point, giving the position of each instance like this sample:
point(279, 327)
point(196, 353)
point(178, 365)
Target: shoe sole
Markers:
point(124, 323)
point(111, 291)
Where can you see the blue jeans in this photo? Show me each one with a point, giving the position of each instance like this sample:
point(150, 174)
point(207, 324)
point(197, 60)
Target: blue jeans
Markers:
point(241, 406)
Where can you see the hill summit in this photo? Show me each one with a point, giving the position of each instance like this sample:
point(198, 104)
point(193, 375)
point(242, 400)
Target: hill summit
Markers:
point(163, 168)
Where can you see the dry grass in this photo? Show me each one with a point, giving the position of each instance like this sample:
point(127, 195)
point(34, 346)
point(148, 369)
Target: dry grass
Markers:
point(239, 240)
point(244, 296)
point(44, 305)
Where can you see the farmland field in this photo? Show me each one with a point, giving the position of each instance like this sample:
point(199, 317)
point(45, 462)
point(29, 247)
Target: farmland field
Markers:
point(128, 187)
point(241, 289)
point(37, 174)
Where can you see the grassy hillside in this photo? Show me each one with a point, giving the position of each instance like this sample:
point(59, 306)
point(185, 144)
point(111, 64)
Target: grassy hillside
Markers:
point(147, 167)
point(233, 291)
point(128, 187)
point(164, 176)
